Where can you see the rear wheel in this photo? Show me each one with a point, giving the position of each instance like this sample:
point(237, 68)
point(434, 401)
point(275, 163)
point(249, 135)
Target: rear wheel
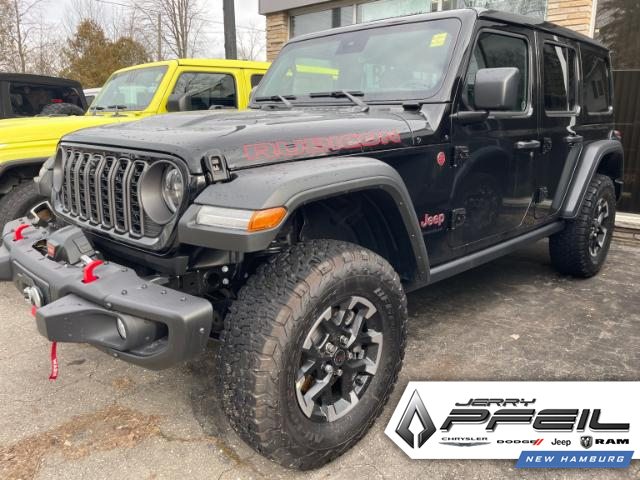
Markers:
point(582, 247)
point(312, 349)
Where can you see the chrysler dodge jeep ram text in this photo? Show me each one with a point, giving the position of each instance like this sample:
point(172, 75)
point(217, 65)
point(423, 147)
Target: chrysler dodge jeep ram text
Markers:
point(375, 159)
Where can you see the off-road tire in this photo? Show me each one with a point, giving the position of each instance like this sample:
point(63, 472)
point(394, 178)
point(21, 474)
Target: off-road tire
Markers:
point(61, 109)
point(19, 201)
point(263, 336)
point(569, 249)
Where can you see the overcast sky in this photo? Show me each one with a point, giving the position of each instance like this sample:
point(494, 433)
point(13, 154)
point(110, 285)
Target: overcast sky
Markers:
point(246, 15)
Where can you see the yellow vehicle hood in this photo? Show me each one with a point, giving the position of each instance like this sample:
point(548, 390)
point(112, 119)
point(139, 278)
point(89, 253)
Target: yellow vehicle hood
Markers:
point(37, 137)
point(46, 128)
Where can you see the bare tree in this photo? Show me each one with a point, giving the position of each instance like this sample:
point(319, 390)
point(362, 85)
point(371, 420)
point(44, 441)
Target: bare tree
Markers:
point(78, 11)
point(251, 43)
point(6, 44)
point(45, 41)
point(181, 23)
point(19, 22)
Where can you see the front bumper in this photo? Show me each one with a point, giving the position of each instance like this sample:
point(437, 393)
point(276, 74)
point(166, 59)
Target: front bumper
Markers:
point(164, 326)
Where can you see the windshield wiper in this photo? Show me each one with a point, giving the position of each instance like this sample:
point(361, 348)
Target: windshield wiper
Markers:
point(118, 107)
point(353, 96)
point(278, 98)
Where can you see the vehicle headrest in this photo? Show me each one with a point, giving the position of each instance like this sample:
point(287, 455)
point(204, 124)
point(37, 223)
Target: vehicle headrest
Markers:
point(17, 100)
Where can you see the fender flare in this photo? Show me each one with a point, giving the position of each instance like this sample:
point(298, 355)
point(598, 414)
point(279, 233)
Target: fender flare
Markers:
point(292, 185)
point(590, 159)
point(13, 165)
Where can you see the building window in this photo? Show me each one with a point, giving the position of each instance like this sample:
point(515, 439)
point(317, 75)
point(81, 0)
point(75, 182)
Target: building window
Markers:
point(559, 78)
point(532, 8)
point(322, 20)
point(368, 12)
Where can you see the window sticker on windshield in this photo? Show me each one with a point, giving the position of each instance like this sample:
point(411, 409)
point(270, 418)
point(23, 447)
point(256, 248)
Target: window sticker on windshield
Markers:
point(438, 39)
point(334, 72)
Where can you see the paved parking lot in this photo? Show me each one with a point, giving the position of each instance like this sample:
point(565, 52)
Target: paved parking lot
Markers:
point(514, 319)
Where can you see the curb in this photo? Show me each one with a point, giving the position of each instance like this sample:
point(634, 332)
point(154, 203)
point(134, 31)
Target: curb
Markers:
point(627, 227)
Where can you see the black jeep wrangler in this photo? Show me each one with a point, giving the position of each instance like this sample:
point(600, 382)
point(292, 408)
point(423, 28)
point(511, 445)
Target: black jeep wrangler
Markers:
point(25, 95)
point(375, 159)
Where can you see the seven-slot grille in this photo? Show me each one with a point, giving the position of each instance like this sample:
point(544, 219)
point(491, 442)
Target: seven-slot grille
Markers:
point(103, 190)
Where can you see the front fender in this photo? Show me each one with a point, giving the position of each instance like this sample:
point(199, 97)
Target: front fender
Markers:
point(292, 185)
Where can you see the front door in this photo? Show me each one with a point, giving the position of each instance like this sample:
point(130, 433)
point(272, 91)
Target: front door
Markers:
point(495, 159)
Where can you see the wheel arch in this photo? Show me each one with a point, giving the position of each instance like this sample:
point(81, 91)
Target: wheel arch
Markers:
point(313, 191)
point(14, 171)
point(369, 217)
point(602, 156)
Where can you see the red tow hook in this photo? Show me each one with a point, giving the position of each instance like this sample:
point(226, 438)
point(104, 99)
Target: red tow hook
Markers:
point(89, 276)
point(17, 235)
point(54, 361)
point(54, 352)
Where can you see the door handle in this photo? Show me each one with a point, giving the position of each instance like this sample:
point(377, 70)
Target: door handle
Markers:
point(527, 145)
point(573, 139)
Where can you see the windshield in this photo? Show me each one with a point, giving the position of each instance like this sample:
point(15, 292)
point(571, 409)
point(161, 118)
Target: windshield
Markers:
point(131, 90)
point(399, 62)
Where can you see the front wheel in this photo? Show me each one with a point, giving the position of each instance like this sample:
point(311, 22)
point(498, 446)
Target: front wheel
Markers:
point(312, 349)
point(19, 201)
point(582, 247)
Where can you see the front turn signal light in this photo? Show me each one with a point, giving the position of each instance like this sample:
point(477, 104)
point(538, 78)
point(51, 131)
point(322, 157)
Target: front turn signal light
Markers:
point(266, 219)
point(236, 219)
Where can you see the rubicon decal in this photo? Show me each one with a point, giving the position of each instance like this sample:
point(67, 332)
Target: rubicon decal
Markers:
point(505, 419)
point(311, 146)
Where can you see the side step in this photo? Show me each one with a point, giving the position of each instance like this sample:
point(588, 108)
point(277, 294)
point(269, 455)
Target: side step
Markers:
point(475, 259)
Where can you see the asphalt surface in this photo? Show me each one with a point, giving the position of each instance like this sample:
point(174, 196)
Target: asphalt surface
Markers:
point(514, 319)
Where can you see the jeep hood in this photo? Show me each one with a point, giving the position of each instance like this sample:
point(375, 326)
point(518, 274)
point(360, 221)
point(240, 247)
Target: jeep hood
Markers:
point(259, 137)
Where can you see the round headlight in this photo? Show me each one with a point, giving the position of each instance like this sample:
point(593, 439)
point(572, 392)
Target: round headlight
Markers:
point(172, 188)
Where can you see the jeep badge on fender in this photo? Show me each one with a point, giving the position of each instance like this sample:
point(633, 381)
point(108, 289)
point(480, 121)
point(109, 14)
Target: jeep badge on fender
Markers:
point(373, 160)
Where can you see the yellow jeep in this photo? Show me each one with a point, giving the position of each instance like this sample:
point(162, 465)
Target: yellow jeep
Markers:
point(129, 94)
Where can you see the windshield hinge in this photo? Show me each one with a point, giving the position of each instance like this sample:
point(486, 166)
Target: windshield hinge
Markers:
point(215, 168)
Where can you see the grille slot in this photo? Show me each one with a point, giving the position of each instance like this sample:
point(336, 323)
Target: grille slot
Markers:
point(135, 207)
point(104, 190)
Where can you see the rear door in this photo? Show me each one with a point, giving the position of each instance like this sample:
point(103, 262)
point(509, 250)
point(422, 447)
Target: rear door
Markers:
point(493, 185)
point(559, 107)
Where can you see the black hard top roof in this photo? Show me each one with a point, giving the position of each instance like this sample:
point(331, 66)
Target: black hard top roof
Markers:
point(467, 14)
point(42, 79)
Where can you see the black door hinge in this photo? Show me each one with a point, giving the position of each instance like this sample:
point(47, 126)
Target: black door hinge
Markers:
point(458, 217)
point(460, 155)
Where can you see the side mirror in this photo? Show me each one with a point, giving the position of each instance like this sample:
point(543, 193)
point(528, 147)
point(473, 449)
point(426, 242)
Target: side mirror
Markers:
point(497, 89)
point(179, 102)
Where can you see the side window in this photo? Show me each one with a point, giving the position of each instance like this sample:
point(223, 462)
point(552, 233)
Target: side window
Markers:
point(596, 88)
point(559, 78)
point(494, 50)
point(255, 79)
point(210, 89)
